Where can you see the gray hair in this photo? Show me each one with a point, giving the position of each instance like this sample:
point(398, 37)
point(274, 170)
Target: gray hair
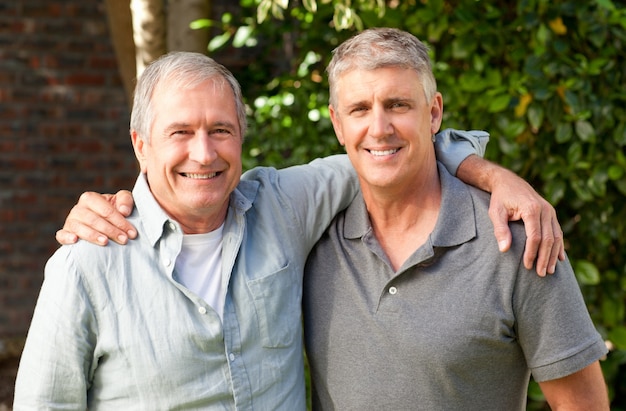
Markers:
point(184, 70)
point(379, 48)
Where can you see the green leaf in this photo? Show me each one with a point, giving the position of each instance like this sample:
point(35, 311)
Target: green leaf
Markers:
point(218, 41)
point(615, 172)
point(585, 131)
point(535, 116)
point(241, 36)
point(586, 272)
point(612, 311)
point(563, 132)
point(201, 24)
point(499, 103)
point(310, 5)
point(555, 191)
point(263, 10)
point(618, 337)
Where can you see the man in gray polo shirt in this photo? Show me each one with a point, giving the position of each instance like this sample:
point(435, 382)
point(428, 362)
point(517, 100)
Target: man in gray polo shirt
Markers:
point(407, 302)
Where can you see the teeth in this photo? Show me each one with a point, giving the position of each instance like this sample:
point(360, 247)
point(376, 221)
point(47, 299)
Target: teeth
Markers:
point(383, 152)
point(199, 176)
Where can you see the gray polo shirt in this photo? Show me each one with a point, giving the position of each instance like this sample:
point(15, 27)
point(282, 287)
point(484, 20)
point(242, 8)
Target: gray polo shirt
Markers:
point(460, 326)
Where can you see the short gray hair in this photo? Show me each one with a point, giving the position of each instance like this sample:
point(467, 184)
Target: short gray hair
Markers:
point(378, 48)
point(184, 70)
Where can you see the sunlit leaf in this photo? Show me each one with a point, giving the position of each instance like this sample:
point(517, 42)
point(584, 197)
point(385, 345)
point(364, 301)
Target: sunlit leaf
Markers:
point(201, 24)
point(586, 272)
point(242, 35)
point(218, 41)
point(310, 5)
point(263, 10)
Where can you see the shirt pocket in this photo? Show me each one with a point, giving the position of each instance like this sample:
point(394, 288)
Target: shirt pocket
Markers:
point(277, 300)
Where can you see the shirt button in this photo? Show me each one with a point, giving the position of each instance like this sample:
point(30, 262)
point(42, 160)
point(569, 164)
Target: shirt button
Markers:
point(202, 310)
point(231, 356)
point(167, 262)
point(393, 290)
point(172, 226)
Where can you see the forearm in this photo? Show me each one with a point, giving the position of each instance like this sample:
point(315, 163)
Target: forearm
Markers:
point(481, 173)
point(581, 391)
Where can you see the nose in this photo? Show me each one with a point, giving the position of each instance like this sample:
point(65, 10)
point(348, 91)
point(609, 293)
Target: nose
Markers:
point(202, 148)
point(380, 123)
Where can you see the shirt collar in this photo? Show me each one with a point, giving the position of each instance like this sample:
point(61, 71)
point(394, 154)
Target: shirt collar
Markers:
point(455, 225)
point(154, 218)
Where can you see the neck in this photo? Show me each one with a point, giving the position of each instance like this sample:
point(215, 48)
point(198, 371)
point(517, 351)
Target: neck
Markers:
point(201, 224)
point(403, 219)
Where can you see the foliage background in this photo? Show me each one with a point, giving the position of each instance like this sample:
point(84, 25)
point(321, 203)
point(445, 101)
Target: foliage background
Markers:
point(545, 78)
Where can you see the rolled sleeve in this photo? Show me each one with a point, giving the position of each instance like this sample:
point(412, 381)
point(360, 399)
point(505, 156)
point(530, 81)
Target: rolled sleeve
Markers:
point(453, 146)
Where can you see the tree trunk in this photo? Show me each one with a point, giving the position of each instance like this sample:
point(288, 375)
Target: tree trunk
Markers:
point(121, 32)
point(148, 31)
point(179, 15)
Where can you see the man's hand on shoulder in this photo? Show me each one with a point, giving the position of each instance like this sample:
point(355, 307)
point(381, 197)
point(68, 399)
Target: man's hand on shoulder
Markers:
point(98, 218)
point(512, 199)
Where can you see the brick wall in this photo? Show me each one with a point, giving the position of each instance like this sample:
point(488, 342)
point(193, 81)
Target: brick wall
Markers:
point(63, 130)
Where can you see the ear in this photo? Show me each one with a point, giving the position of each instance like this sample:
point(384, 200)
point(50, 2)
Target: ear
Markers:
point(139, 145)
point(334, 118)
point(436, 113)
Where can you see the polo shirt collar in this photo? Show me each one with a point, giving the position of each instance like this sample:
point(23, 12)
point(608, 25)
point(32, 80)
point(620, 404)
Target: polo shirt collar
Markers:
point(456, 223)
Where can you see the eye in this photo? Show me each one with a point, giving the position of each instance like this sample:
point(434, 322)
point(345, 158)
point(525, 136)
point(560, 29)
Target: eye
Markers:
point(180, 133)
point(400, 106)
point(222, 133)
point(358, 110)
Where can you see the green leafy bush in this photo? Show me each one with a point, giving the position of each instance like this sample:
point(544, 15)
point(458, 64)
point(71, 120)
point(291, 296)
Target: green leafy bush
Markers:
point(546, 78)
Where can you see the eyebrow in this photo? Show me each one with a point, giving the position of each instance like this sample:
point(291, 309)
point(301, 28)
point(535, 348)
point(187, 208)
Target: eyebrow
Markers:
point(386, 102)
point(183, 125)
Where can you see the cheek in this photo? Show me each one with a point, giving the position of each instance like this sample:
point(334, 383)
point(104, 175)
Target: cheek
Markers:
point(231, 152)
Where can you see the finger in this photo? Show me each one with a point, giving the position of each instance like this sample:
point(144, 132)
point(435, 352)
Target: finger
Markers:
point(500, 220)
point(123, 201)
point(558, 249)
point(532, 225)
point(65, 237)
point(86, 232)
point(547, 242)
point(99, 212)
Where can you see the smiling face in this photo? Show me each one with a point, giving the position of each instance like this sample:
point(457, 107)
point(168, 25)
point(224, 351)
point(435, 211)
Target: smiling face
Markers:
point(193, 157)
point(384, 121)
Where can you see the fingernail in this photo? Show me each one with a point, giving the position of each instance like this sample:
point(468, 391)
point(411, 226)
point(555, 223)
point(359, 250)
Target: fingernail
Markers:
point(122, 238)
point(102, 239)
point(502, 245)
point(132, 233)
point(124, 210)
point(552, 269)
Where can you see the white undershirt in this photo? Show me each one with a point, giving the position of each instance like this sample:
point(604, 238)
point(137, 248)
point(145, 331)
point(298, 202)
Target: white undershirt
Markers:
point(199, 267)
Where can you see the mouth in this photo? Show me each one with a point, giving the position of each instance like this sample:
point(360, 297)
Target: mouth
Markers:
point(200, 176)
point(380, 153)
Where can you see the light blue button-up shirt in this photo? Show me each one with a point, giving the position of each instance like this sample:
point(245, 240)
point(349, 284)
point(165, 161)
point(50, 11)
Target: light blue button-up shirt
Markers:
point(114, 329)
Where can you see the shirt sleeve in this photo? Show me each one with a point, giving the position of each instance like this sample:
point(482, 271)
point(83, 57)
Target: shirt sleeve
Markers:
point(312, 193)
point(453, 146)
point(55, 363)
point(554, 327)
